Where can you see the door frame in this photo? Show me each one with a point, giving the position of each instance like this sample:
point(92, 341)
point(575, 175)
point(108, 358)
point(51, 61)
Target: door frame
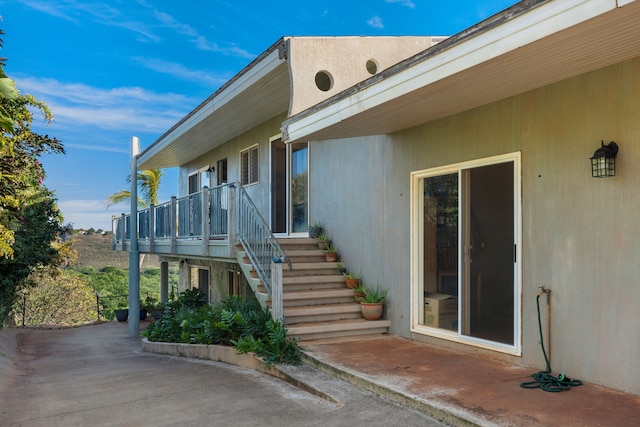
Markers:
point(288, 214)
point(417, 253)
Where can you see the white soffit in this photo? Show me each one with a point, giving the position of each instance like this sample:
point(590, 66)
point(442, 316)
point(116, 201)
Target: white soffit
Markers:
point(258, 94)
point(550, 42)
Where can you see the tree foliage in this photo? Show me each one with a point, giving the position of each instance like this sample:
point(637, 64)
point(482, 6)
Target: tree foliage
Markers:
point(29, 217)
point(148, 184)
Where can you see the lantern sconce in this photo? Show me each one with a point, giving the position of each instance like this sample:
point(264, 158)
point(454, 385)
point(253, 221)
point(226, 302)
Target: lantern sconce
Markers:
point(603, 162)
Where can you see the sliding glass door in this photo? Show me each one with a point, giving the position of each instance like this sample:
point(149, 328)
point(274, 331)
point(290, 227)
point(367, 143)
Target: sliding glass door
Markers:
point(467, 276)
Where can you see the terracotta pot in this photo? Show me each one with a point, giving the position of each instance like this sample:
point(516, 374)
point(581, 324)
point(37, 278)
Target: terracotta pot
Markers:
point(371, 311)
point(331, 256)
point(358, 295)
point(352, 283)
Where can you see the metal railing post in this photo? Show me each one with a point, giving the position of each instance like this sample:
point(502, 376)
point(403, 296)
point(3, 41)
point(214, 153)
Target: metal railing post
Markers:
point(232, 203)
point(151, 228)
point(204, 220)
point(173, 224)
point(123, 227)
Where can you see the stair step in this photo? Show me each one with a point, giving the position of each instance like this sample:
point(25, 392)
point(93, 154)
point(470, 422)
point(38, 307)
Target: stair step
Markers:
point(289, 244)
point(317, 303)
point(323, 281)
point(318, 297)
point(305, 255)
point(321, 313)
point(311, 268)
point(337, 328)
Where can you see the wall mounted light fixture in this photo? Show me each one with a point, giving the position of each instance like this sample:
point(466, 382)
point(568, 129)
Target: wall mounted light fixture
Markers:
point(603, 162)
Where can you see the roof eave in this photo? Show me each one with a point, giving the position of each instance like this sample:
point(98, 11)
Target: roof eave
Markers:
point(358, 111)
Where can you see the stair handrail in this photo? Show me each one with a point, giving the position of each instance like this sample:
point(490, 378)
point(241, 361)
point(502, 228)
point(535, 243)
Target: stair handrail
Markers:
point(257, 239)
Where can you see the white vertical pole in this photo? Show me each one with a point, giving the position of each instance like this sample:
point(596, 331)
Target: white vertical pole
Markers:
point(134, 255)
point(277, 309)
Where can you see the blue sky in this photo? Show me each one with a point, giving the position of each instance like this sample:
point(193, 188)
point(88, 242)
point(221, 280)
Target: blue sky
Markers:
point(112, 69)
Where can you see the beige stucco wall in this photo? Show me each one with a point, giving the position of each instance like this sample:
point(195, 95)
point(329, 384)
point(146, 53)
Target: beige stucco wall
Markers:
point(260, 192)
point(344, 58)
point(579, 233)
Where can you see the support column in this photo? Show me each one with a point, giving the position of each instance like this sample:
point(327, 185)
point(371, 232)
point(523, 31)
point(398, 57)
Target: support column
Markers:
point(164, 281)
point(134, 255)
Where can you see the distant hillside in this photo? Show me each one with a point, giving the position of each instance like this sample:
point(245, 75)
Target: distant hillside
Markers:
point(95, 251)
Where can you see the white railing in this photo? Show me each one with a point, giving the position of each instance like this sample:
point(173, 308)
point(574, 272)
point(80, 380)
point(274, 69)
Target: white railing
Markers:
point(188, 218)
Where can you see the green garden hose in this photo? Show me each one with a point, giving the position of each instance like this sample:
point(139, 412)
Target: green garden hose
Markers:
point(543, 379)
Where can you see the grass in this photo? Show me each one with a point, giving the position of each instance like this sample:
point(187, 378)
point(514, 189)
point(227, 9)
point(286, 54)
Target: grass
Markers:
point(95, 251)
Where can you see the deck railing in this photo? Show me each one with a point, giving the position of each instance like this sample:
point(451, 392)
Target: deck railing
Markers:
point(257, 239)
point(162, 226)
point(188, 218)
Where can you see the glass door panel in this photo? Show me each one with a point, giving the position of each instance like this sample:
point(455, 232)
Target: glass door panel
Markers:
point(440, 251)
point(299, 187)
point(278, 186)
point(488, 239)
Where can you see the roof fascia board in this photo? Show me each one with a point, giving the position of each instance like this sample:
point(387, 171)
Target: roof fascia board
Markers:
point(544, 20)
point(251, 76)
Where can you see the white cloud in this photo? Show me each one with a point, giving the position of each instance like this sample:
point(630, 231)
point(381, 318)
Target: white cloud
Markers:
point(177, 70)
point(123, 108)
point(89, 213)
point(406, 3)
point(197, 39)
point(375, 22)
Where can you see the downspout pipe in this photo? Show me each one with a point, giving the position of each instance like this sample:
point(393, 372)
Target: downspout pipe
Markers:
point(134, 255)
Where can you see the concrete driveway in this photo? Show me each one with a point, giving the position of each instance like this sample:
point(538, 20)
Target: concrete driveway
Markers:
point(98, 376)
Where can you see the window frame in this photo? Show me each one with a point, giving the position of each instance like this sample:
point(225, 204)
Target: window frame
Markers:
point(252, 171)
point(417, 253)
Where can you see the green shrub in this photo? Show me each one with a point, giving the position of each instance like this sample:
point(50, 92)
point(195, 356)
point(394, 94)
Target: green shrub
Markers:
point(245, 325)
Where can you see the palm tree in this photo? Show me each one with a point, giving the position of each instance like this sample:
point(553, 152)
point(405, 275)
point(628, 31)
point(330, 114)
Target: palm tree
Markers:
point(148, 183)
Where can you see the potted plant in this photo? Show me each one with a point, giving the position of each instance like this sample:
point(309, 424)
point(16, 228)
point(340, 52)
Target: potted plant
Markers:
point(372, 301)
point(324, 241)
point(359, 291)
point(147, 306)
point(122, 314)
point(315, 229)
point(341, 268)
point(158, 311)
point(331, 254)
point(351, 279)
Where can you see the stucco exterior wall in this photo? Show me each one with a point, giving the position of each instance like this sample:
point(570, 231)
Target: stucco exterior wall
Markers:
point(345, 59)
point(260, 135)
point(579, 233)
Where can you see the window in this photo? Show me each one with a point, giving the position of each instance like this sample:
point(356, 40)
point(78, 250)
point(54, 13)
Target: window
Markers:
point(324, 81)
point(194, 183)
point(249, 170)
point(222, 171)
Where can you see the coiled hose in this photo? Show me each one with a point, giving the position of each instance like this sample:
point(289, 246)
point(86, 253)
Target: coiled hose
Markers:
point(543, 379)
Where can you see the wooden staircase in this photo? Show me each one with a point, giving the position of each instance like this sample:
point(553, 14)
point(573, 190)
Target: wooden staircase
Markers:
point(317, 303)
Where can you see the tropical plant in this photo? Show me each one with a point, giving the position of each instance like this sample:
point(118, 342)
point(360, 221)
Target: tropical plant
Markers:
point(244, 324)
point(361, 289)
point(148, 184)
point(373, 295)
point(29, 217)
point(351, 275)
